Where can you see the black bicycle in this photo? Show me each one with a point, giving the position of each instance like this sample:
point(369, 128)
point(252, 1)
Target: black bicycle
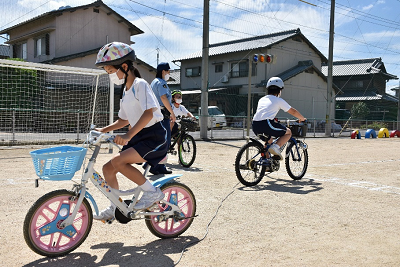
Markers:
point(185, 142)
point(253, 159)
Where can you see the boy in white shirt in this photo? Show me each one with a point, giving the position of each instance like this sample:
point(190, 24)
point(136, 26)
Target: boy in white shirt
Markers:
point(267, 108)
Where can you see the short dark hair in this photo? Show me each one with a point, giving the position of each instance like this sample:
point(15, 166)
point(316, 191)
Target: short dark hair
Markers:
point(274, 90)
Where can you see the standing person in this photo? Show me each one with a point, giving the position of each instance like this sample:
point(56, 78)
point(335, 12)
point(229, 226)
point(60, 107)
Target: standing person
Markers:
point(146, 140)
point(267, 108)
point(163, 94)
point(179, 110)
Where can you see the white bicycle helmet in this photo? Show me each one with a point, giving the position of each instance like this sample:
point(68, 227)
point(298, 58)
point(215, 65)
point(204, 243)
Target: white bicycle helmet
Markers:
point(275, 81)
point(114, 53)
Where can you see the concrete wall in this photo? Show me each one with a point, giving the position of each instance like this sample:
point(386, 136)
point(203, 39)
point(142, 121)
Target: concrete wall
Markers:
point(84, 30)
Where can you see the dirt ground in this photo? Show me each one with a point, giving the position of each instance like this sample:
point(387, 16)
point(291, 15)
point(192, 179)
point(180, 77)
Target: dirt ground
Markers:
point(344, 212)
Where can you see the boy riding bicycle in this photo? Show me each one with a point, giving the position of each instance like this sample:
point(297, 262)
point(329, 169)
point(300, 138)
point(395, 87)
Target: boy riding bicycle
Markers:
point(267, 108)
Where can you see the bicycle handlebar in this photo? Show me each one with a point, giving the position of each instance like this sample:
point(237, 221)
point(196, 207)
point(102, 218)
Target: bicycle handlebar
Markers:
point(95, 137)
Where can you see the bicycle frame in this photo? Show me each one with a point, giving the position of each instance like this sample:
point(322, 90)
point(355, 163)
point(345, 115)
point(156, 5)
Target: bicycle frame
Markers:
point(292, 139)
point(115, 195)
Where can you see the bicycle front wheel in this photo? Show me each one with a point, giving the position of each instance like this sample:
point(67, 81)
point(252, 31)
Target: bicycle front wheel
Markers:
point(180, 195)
point(42, 226)
point(187, 151)
point(296, 160)
point(247, 167)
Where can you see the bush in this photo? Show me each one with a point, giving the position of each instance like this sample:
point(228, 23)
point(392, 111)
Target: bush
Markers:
point(376, 125)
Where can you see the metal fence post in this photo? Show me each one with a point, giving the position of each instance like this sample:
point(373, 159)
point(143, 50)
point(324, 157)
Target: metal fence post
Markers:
point(77, 128)
point(211, 127)
point(244, 122)
point(13, 125)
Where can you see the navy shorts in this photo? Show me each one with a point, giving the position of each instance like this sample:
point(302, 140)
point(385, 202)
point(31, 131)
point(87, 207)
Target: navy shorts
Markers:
point(151, 143)
point(269, 127)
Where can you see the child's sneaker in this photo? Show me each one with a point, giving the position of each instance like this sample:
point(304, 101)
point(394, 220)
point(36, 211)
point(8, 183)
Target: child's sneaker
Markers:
point(149, 198)
point(106, 214)
point(275, 150)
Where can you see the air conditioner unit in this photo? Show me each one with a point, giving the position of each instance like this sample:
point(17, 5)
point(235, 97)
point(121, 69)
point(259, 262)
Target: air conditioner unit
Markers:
point(225, 79)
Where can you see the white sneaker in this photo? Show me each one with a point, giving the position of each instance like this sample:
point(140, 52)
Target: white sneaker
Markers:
point(275, 150)
point(106, 214)
point(149, 198)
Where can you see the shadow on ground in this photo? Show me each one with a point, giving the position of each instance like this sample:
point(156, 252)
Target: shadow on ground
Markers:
point(152, 254)
point(301, 187)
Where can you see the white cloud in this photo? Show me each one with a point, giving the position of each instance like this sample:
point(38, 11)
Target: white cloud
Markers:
point(367, 7)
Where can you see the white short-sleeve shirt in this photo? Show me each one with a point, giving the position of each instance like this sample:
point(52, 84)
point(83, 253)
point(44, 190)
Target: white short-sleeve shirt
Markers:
point(136, 100)
point(179, 111)
point(268, 106)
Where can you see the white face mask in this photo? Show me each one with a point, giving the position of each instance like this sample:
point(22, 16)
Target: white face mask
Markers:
point(115, 79)
point(166, 77)
point(178, 100)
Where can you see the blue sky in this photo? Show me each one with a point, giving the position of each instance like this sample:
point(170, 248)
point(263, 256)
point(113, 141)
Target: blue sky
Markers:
point(363, 28)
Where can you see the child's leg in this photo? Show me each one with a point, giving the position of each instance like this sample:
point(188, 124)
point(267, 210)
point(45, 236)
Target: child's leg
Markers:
point(110, 175)
point(122, 163)
point(283, 139)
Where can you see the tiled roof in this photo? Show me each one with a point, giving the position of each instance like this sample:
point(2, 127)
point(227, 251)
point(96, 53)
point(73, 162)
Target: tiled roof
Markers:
point(133, 29)
point(362, 95)
point(252, 43)
point(5, 50)
point(176, 75)
point(357, 67)
point(299, 68)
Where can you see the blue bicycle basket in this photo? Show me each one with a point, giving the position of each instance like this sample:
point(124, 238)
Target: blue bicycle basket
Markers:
point(58, 163)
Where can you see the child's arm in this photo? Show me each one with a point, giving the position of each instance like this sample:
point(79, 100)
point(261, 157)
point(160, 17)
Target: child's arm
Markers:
point(118, 124)
point(294, 112)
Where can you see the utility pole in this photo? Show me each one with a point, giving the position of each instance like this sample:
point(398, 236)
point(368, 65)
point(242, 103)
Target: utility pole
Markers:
point(249, 100)
point(328, 124)
point(204, 71)
point(158, 55)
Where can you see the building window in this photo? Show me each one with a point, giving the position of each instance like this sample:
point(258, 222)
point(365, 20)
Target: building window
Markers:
point(241, 69)
point(193, 72)
point(42, 45)
point(218, 68)
point(20, 51)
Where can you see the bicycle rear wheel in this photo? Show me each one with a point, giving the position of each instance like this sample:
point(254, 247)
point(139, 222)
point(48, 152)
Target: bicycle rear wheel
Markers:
point(248, 170)
point(296, 160)
point(42, 230)
point(187, 151)
point(180, 195)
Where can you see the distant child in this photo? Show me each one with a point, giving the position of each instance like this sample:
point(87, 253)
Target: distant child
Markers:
point(179, 110)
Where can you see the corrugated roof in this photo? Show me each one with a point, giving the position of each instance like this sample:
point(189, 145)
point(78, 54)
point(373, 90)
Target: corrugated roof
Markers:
point(5, 50)
point(252, 43)
point(362, 95)
point(357, 67)
point(176, 76)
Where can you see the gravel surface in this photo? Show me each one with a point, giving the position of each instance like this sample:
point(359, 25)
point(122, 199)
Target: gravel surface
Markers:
point(344, 212)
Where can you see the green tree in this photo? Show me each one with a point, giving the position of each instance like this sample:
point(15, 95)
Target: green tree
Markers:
point(359, 110)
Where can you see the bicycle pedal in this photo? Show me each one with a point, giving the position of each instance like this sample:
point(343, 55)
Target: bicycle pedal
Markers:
point(108, 221)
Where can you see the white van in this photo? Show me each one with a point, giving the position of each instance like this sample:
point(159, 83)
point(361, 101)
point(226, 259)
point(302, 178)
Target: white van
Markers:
point(216, 117)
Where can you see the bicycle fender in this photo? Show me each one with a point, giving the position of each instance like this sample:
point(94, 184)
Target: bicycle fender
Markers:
point(254, 140)
point(89, 196)
point(163, 180)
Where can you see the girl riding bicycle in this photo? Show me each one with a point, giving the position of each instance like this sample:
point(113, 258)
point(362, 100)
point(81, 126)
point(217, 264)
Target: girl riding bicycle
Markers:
point(146, 140)
point(267, 108)
point(179, 110)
